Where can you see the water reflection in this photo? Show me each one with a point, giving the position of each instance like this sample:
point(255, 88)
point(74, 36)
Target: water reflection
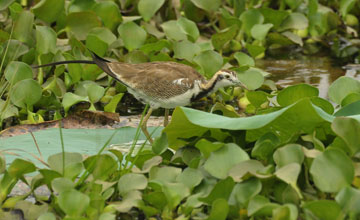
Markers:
point(317, 71)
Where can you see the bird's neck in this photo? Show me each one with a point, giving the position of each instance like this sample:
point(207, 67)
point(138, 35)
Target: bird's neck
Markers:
point(207, 88)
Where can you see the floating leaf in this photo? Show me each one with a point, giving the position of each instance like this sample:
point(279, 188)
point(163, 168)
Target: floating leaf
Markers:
point(323, 209)
point(188, 27)
point(244, 191)
point(173, 30)
point(101, 167)
point(71, 99)
point(243, 59)
point(294, 93)
point(259, 31)
point(219, 39)
point(290, 153)
point(221, 190)
point(209, 61)
point(296, 21)
point(251, 78)
point(132, 35)
point(342, 87)
point(332, 170)
point(219, 210)
point(26, 93)
point(81, 23)
point(5, 4)
point(190, 177)
point(17, 71)
point(48, 10)
point(349, 200)
point(147, 8)
point(346, 6)
point(23, 27)
point(73, 202)
point(109, 13)
point(130, 182)
point(348, 130)
point(19, 167)
point(45, 40)
point(208, 5)
point(99, 39)
point(186, 50)
point(250, 18)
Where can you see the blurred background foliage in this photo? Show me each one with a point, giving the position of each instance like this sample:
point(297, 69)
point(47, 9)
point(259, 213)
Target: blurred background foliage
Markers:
point(206, 34)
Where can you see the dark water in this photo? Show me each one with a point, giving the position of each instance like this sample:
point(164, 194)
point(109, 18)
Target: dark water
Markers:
point(317, 71)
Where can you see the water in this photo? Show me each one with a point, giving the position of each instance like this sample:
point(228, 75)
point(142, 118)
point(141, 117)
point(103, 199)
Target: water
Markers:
point(314, 70)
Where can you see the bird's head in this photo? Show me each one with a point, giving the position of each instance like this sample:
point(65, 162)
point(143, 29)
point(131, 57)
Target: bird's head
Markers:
point(227, 78)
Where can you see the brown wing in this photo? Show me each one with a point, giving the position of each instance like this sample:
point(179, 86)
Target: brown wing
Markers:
point(156, 79)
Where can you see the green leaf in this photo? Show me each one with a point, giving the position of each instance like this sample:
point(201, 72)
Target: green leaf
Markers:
point(47, 216)
point(19, 167)
point(273, 16)
point(342, 87)
point(255, 50)
point(26, 93)
point(99, 39)
point(173, 30)
point(243, 59)
point(350, 109)
point(175, 193)
point(109, 13)
point(71, 99)
point(286, 212)
point(186, 50)
point(349, 200)
point(296, 21)
point(209, 61)
point(188, 27)
point(257, 98)
point(147, 8)
point(323, 209)
point(23, 27)
point(17, 71)
point(219, 210)
point(294, 93)
point(5, 4)
point(132, 35)
point(221, 190)
point(348, 130)
point(244, 191)
point(332, 170)
point(129, 201)
point(48, 10)
point(73, 202)
point(190, 177)
point(260, 206)
point(81, 23)
point(160, 144)
point(101, 167)
point(351, 98)
point(219, 39)
point(164, 174)
point(130, 182)
point(111, 106)
point(346, 6)
point(293, 37)
point(252, 78)
point(289, 174)
point(45, 40)
point(62, 184)
point(75, 70)
point(208, 5)
point(250, 18)
point(206, 147)
point(221, 161)
point(95, 92)
point(290, 153)
point(259, 31)
point(55, 162)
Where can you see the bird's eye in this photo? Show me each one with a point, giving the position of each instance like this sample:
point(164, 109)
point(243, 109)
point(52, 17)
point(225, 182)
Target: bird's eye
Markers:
point(227, 76)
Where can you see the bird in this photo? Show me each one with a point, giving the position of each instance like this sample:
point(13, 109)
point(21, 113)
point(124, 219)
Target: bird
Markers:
point(161, 84)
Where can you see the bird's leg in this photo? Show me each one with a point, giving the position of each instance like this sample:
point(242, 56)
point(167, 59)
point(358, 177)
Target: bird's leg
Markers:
point(166, 117)
point(144, 125)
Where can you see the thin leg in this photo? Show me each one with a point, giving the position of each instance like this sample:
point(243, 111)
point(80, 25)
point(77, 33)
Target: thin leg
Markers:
point(166, 117)
point(144, 125)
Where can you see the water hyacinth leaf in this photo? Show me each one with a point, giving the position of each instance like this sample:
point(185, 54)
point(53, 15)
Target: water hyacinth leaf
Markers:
point(351, 98)
point(256, 51)
point(5, 4)
point(109, 13)
point(246, 167)
point(209, 5)
point(219, 210)
point(19, 167)
point(173, 31)
point(81, 5)
point(332, 170)
point(164, 174)
point(350, 109)
point(55, 161)
point(289, 174)
point(251, 78)
point(244, 191)
point(348, 130)
point(219, 39)
point(81, 23)
point(290, 153)
point(259, 31)
point(99, 39)
point(186, 50)
point(71, 99)
point(275, 17)
point(2, 164)
point(296, 21)
point(160, 144)
point(346, 6)
point(130, 182)
point(221, 190)
point(349, 200)
point(190, 177)
point(323, 209)
point(95, 92)
point(286, 212)
point(250, 18)
point(101, 167)
point(293, 37)
point(323, 104)
point(73, 202)
point(221, 161)
point(48, 10)
point(23, 27)
point(206, 147)
point(62, 184)
point(45, 40)
point(294, 93)
point(261, 206)
point(342, 87)
point(156, 46)
point(209, 61)
point(257, 98)
point(132, 35)
point(47, 216)
point(111, 106)
point(189, 27)
point(175, 193)
point(243, 59)
point(26, 93)
point(147, 8)
point(17, 71)
point(75, 70)
point(129, 201)
point(265, 146)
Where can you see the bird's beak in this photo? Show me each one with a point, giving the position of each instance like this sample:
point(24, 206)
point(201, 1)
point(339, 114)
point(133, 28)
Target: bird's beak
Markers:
point(240, 84)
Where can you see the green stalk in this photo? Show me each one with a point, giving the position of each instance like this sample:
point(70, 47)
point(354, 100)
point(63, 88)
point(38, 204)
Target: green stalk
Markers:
point(62, 147)
point(41, 72)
